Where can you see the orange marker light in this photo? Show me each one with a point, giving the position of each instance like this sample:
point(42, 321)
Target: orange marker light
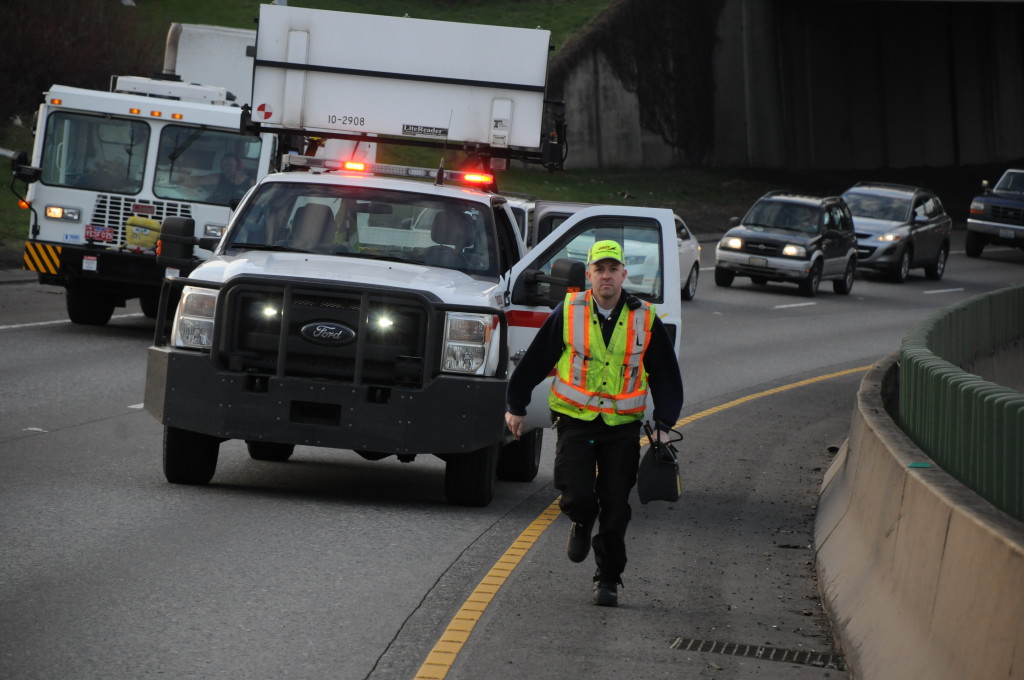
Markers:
point(156, 114)
point(56, 101)
point(134, 111)
point(23, 204)
point(177, 116)
point(355, 165)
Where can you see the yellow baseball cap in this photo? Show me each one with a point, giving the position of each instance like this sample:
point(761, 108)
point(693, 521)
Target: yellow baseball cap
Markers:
point(605, 250)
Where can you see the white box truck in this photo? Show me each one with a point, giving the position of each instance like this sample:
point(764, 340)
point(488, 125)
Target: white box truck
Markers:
point(378, 309)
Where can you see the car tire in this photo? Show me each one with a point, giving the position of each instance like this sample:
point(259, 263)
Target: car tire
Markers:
point(724, 277)
point(809, 286)
point(469, 478)
point(935, 270)
point(189, 457)
point(520, 460)
point(902, 271)
point(844, 285)
point(88, 306)
point(270, 451)
point(690, 288)
point(974, 243)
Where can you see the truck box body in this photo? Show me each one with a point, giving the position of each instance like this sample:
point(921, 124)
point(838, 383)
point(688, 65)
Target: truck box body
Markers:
point(319, 71)
point(214, 55)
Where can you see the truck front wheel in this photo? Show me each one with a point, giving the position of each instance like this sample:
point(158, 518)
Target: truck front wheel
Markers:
point(189, 457)
point(520, 460)
point(469, 477)
point(88, 306)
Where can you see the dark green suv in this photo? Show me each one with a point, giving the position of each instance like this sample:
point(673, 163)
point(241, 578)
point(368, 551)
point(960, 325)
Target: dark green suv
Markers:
point(791, 238)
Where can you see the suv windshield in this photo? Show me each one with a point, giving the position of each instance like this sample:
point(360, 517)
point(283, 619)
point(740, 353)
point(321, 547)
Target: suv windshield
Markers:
point(782, 215)
point(362, 222)
point(876, 206)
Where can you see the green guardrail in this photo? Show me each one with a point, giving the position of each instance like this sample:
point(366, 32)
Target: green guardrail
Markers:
point(971, 427)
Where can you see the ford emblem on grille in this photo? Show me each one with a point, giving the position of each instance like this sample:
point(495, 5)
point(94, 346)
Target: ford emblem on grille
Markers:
point(328, 333)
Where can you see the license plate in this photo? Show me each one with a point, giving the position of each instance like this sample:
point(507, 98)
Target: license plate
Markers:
point(758, 262)
point(1006, 233)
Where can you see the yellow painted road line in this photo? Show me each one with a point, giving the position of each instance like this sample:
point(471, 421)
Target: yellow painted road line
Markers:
point(442, 656)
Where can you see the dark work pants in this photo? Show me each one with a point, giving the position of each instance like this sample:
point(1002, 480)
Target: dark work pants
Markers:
point(595, 469)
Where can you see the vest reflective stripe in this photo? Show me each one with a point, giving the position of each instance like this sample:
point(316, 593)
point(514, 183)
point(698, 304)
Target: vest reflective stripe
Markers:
point(618, 391)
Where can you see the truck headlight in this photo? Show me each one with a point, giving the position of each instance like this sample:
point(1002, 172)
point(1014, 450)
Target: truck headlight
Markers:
point(794, 251)
point(193, 322)
point(467, 342)
point(731, 243)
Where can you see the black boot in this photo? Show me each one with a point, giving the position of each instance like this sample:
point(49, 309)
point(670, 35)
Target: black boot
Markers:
point(578, 546)
point(606, 592)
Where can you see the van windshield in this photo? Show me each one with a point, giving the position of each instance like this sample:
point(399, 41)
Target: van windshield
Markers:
point(352, 221)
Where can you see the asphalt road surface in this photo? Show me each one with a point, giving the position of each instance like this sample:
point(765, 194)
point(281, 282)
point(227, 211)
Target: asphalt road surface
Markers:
point(330, 566)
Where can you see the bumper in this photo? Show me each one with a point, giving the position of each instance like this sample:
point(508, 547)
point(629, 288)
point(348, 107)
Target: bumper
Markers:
point(774, 268)
point(1012, 234)
point(880, 256)
point(115, 269)
point(185, 390)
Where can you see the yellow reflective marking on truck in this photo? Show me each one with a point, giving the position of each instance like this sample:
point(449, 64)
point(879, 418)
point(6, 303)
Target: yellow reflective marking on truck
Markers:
point(42, 257)
point(440, 659)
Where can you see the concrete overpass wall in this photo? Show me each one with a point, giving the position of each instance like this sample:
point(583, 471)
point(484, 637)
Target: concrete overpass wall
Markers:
point(795, 84)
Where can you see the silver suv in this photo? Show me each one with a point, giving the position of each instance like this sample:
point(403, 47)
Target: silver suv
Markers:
point(791, 238)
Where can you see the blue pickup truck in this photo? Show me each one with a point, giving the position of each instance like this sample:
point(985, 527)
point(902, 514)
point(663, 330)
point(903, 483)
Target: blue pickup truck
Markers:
point(997, 215)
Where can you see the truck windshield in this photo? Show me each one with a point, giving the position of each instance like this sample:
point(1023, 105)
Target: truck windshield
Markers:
point(355, 221)
point(205, 166)
point(94, 152)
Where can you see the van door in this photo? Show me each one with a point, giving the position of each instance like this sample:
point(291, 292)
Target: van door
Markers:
point(648, 238)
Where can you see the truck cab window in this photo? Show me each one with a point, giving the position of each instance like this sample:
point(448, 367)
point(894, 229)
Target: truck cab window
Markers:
point(205, 166)
point(94, 152)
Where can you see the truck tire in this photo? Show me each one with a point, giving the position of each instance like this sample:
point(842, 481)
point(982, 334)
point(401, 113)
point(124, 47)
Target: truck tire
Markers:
point(189, 457)
point(88, 306)
point(270, 451)
point(520, 460)
point(469, 478)
point(150, 305)
point(974, 243)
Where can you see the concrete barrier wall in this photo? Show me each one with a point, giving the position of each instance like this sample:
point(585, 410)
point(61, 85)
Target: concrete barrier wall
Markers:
point(922, 578)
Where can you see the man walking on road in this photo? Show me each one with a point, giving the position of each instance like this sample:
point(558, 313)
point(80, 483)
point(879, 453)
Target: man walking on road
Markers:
point(608, 347)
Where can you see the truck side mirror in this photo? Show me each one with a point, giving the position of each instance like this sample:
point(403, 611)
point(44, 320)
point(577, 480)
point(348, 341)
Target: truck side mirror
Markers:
point(565, 275)
point(177, 238)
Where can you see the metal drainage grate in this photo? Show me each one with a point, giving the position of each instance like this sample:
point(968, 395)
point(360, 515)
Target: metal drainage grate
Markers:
point(757, 652)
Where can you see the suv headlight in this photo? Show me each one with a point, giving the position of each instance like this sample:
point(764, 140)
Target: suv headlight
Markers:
point(791, 250)
point(890, 237)
point(732, 243)
point(193, 322)
point(467, 342)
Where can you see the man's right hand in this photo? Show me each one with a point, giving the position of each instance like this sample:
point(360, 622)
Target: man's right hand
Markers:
point(514, 424)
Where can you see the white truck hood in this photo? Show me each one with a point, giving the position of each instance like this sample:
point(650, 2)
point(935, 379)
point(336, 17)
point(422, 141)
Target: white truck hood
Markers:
point(449, 285)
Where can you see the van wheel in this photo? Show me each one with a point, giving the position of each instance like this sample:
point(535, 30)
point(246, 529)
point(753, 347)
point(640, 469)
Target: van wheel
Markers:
point(189, 457)
point(809, 286)
point(88, 306)
point(520, 460)
point(270, 451)
point(469, 478)
point(690, 289)
point(723, 277)
point(935, 270)
point(844, 285)
point(974, 243)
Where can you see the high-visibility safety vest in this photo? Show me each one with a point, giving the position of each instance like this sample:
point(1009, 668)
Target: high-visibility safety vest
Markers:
point(594, 379)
